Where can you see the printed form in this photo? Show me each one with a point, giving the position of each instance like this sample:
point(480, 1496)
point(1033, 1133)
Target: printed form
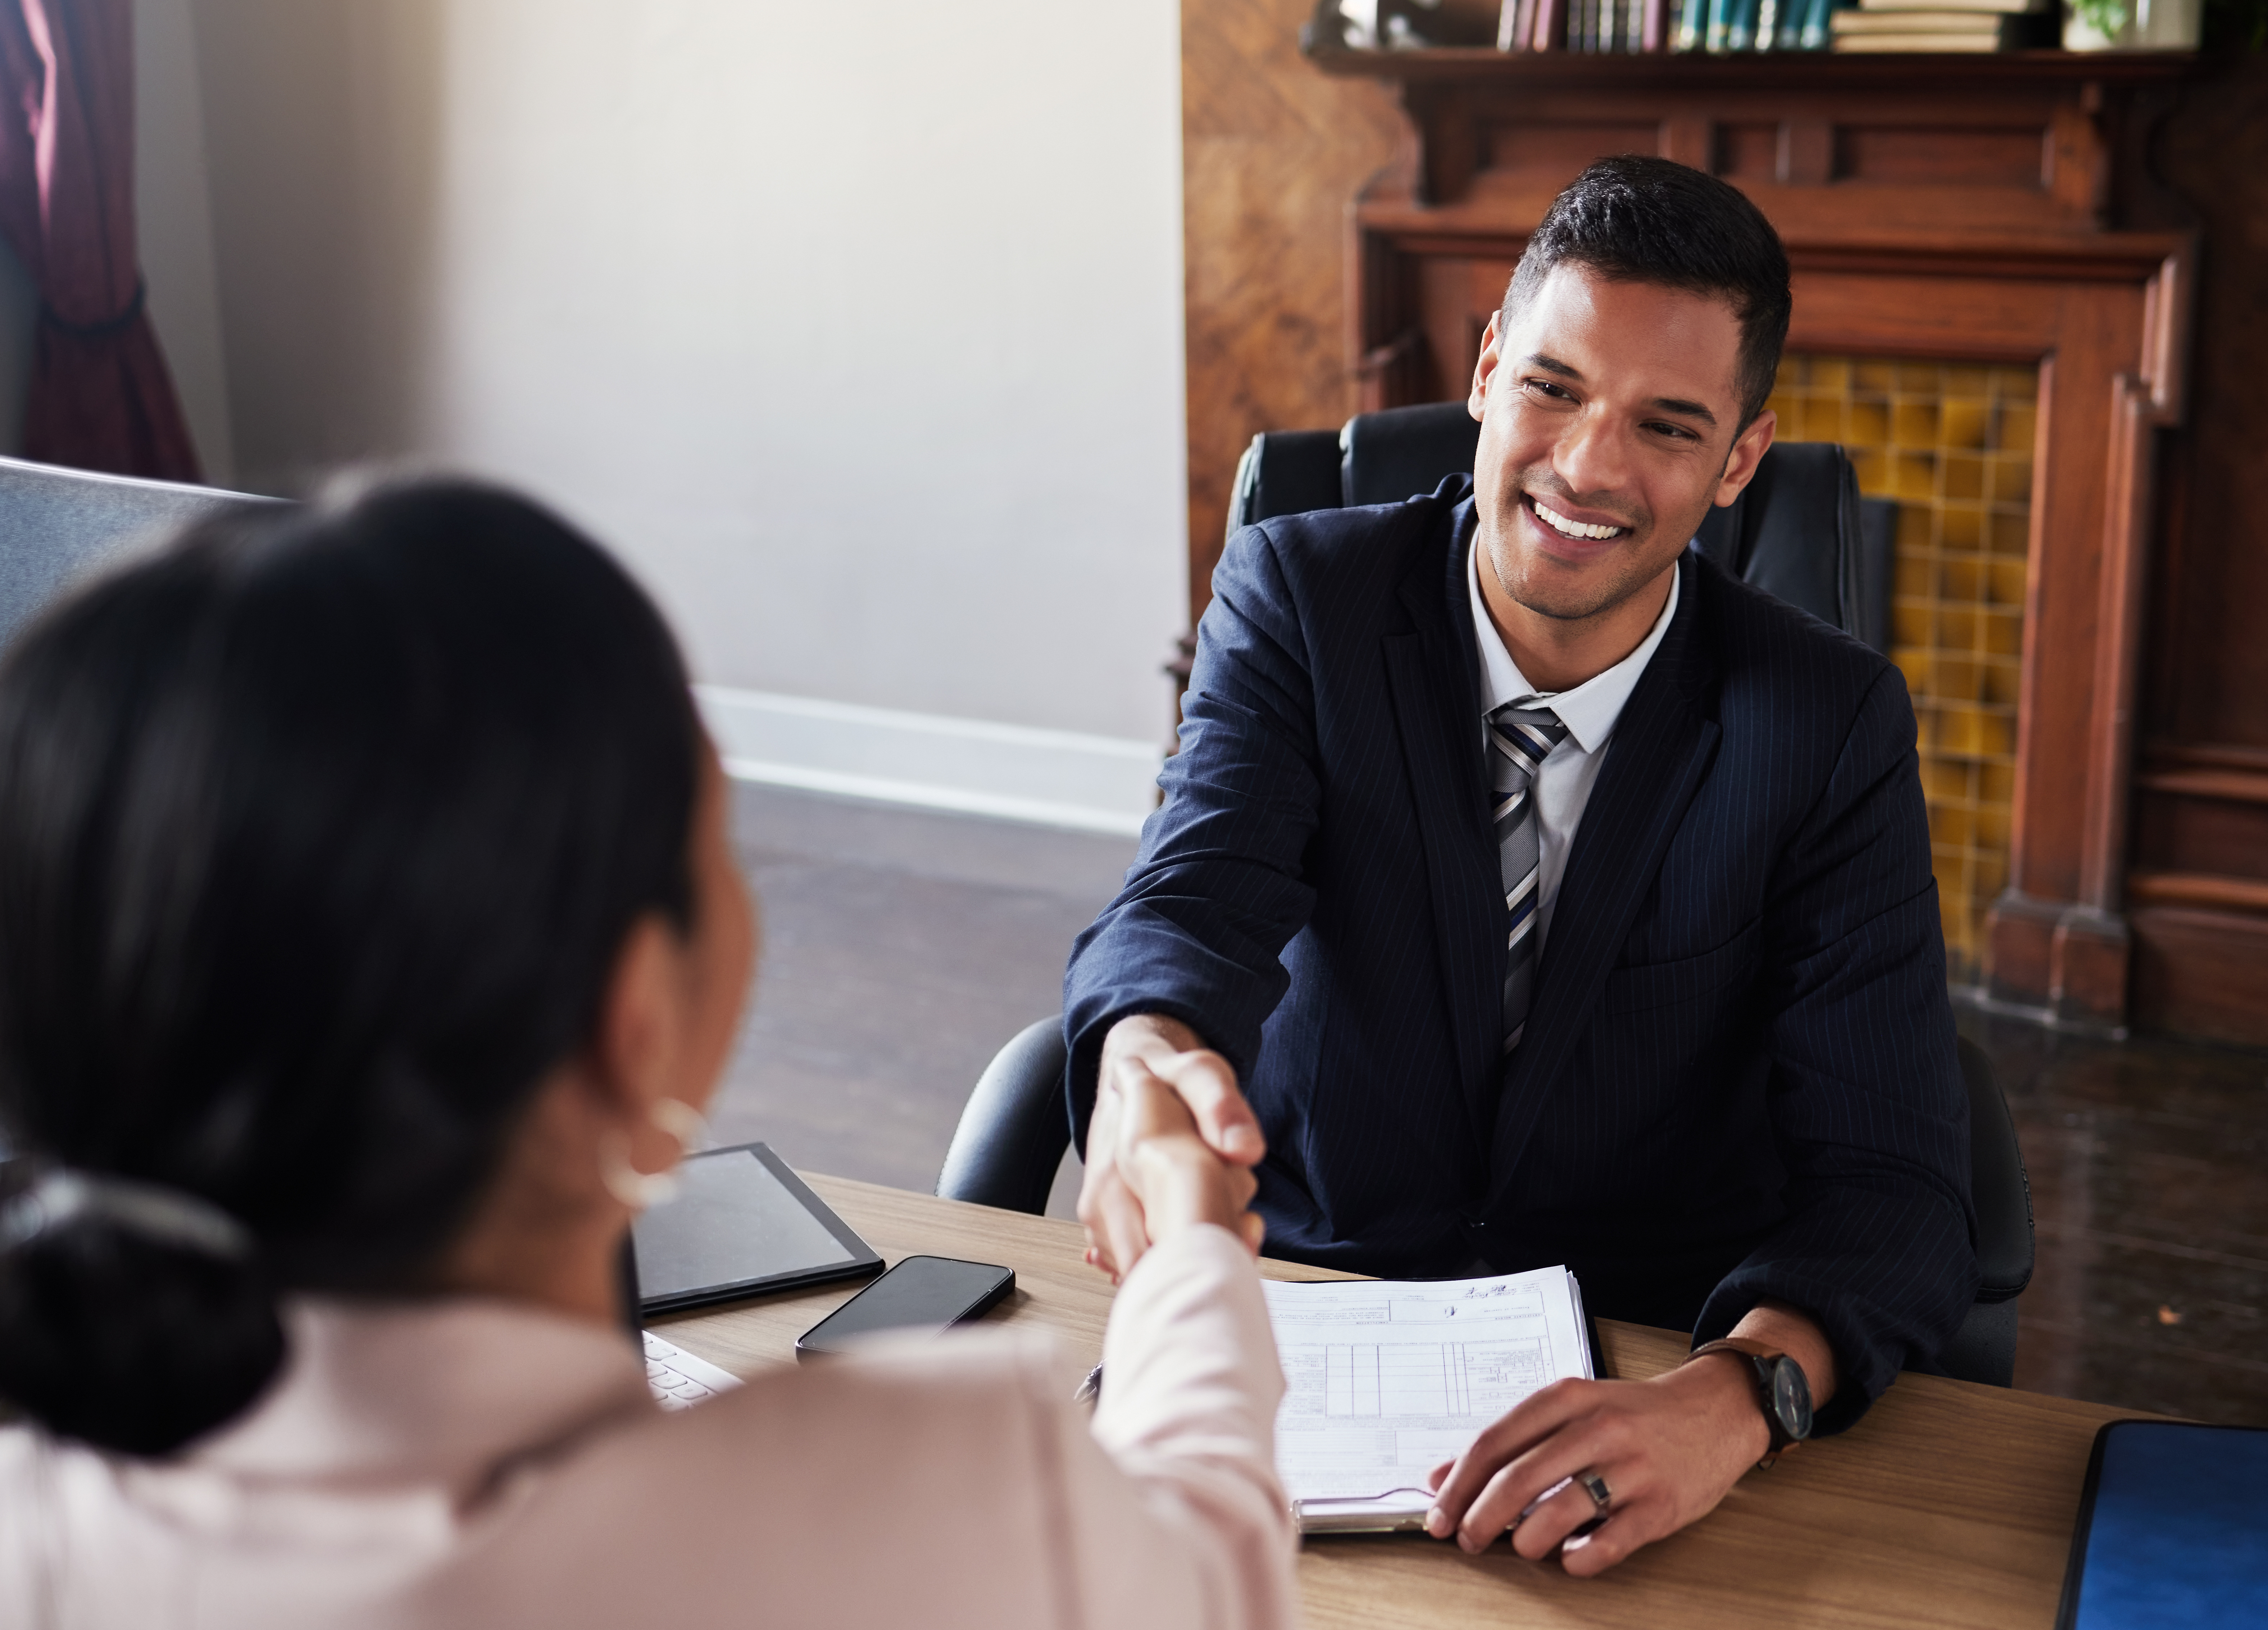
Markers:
point(1386, 1379)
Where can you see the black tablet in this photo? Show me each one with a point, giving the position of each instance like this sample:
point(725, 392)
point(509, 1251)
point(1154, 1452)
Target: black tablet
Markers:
point(2173, 1530)
point(741, 1224)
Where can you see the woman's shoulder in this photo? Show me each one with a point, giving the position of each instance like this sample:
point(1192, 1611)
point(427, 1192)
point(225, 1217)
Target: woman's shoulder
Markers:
point(914, 1479)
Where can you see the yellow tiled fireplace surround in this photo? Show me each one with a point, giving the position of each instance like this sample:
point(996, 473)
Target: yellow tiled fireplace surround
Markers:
point(1952, 444)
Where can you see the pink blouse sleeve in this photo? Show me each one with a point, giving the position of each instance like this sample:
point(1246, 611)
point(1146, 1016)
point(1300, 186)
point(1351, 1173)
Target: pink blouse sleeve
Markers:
point(1174, 1512)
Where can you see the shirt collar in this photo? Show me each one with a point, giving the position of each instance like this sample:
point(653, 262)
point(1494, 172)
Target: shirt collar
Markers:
point(1590, 710)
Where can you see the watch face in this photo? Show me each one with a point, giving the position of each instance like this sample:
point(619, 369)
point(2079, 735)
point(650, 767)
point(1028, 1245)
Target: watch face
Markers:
point(1790, 1398)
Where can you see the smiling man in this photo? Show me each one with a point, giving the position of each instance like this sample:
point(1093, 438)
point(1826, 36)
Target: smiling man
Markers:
point(1527, 891)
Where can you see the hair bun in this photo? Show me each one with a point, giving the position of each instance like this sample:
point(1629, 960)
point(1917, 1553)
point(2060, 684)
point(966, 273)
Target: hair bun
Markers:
point(130, 1341)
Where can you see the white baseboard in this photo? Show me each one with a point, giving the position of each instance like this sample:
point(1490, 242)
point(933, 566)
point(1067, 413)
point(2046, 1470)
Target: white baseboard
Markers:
point(968, 766)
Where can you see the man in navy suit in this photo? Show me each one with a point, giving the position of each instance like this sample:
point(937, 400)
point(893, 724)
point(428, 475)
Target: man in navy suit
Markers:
point(1527, 890)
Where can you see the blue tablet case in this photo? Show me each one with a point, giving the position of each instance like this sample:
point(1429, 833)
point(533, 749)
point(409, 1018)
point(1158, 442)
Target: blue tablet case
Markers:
point(2173, 1530)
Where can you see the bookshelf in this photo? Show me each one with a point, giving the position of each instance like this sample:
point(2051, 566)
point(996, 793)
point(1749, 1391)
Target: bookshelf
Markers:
point(1474, 66)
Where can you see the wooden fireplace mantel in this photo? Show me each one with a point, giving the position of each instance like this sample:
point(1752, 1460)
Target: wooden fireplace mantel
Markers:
point(1975, 207)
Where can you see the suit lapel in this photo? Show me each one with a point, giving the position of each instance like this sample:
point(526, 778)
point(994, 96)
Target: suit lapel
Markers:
point(1430, 674)
point(1662, 746)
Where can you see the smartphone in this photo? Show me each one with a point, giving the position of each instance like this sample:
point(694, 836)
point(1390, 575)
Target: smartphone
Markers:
point(922, 1293)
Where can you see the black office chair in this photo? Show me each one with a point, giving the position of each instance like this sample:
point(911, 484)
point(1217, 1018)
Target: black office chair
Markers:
point(1800, 531)
point(1016, 1126)
point(1983, 1349)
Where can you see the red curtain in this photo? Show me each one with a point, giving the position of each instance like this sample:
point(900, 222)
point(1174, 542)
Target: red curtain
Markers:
point(101, 397)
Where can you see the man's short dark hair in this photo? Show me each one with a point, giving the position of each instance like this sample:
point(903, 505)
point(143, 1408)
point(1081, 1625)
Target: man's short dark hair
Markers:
point(1648, 220)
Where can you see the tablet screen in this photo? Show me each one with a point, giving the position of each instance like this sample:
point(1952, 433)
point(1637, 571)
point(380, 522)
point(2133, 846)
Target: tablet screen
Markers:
point(741, 1222)
point(2172, 1532)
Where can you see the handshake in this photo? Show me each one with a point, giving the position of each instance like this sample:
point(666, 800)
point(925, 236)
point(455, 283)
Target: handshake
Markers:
point(1171, 1145)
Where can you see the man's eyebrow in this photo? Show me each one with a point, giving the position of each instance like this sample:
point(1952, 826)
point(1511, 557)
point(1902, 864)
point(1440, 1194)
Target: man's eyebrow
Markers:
point(1691, 409)
point(1666, 404)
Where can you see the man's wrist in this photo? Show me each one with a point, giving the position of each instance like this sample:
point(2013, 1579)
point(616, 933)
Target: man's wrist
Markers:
point(1728, 1385)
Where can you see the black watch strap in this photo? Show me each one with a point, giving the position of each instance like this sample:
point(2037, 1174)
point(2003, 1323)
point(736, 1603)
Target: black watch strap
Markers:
point(1763, 1362)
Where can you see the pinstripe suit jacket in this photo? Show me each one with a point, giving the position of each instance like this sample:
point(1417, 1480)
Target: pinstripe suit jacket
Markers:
point(1739, 1077)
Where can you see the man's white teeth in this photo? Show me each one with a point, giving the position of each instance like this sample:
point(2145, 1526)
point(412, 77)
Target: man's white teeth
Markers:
point(1575, 528)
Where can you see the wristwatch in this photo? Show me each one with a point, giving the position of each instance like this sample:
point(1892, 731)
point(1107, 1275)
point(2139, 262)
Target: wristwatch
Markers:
point(1782, 1392)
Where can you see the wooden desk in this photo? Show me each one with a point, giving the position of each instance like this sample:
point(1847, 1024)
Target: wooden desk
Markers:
point(1950, 1504)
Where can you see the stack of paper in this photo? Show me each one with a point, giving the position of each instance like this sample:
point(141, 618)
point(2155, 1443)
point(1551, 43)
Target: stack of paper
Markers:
point(1386, 1379)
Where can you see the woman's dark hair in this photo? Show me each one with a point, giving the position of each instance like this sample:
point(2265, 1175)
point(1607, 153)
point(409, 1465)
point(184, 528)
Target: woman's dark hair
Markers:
point(321, 832)
point(1640, 219)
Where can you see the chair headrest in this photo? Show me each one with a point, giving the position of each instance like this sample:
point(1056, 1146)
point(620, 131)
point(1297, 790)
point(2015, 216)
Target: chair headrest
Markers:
point(1385, 457)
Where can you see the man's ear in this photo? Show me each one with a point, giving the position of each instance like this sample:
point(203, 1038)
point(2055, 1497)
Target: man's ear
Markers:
point(1748, 449)
point(1477, 403)
point(639, 1036)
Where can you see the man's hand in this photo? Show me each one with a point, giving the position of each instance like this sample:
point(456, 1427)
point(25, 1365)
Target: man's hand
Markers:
point(1668, 1450)
point(1144, 1051)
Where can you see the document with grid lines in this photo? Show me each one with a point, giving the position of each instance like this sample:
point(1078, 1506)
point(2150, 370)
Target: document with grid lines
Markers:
point(1386, 1379)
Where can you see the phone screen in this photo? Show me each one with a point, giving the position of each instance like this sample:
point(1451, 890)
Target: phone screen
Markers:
point(921, 1292)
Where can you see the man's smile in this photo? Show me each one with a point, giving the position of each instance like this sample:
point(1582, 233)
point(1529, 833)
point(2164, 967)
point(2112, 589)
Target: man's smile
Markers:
point(1570, 528)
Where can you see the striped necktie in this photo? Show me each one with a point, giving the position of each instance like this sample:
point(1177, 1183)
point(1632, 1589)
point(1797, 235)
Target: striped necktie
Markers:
point(1519, 739)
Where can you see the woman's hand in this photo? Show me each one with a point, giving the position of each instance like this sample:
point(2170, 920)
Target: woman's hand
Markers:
point(1176, 1180)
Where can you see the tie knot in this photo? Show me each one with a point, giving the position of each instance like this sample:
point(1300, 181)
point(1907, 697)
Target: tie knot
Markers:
point(1525, 734)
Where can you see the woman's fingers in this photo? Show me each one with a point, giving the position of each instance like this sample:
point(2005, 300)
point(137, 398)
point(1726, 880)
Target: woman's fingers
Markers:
point(1241, 1184)
point(1151, 1107)
point(1253, 1227)
point(1125, 1229)
point(1104, 1195)
point(1204, 1081)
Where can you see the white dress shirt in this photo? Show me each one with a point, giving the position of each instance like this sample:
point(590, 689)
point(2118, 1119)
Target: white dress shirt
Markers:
point(470, 1464)
point(1563, 785)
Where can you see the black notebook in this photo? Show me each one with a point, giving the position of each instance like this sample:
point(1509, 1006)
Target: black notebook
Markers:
point(2173, 1530)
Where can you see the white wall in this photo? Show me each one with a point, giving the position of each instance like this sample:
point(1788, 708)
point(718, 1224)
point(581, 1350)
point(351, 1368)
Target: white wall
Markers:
point(858, 328)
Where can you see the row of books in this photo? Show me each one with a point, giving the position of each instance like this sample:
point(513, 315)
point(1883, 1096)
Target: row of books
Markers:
point(1590, 25)
point(1723, 26)
point(1753, 26)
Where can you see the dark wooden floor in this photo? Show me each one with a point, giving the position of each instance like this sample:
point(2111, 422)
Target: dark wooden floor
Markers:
point(903, 948)
point(900, 950)
point(2148, 1162)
